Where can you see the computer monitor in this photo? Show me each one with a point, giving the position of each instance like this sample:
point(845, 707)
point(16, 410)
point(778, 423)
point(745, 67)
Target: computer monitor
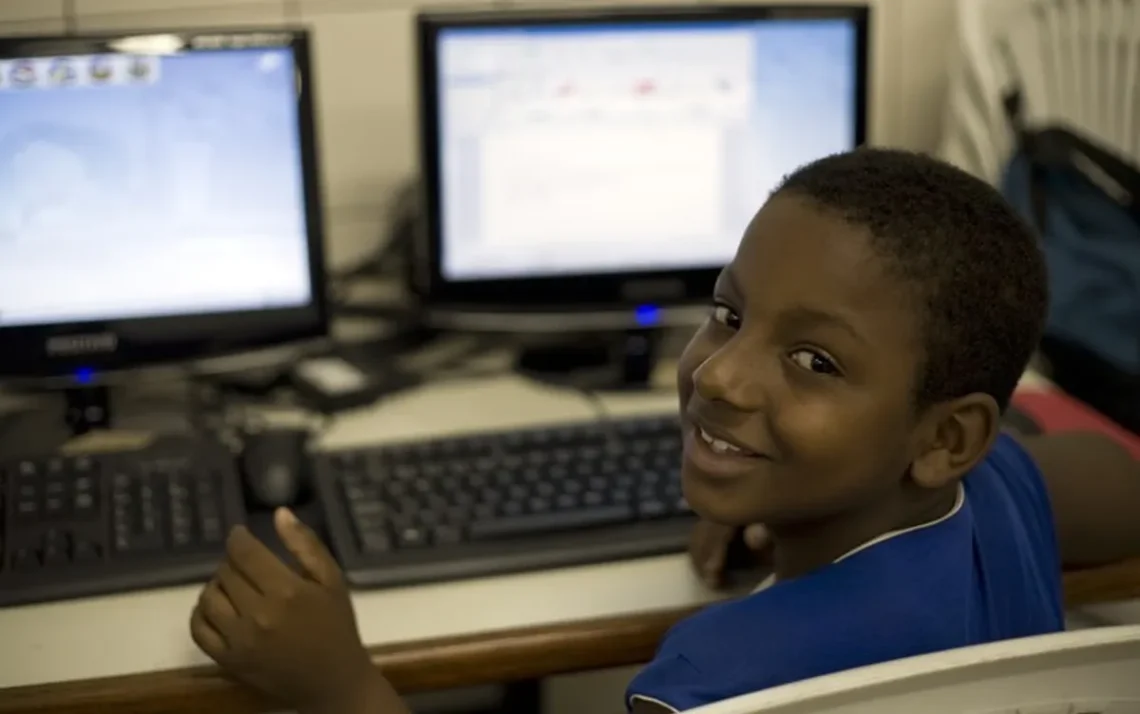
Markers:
point(592, 159)
point(158, 199)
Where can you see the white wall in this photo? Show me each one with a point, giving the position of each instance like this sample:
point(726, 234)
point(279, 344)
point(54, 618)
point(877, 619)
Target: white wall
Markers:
point(364, 82)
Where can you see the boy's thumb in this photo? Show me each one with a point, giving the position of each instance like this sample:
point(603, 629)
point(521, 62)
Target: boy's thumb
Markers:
point(306, 547)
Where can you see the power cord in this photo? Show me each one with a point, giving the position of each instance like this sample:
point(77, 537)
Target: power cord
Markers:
point(403, 213)
point(601, 411)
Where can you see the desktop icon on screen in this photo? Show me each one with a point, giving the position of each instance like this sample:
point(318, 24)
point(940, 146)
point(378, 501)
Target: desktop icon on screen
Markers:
point(102, 70)
point(62, 72)
point(270, 62)
point(645, 87)
point(140, 69)
point(23, 73)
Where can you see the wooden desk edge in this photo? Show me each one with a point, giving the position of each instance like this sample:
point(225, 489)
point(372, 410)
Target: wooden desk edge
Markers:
point(508, 655)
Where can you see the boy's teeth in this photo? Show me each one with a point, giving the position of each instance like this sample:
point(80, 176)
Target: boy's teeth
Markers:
point(719, 446)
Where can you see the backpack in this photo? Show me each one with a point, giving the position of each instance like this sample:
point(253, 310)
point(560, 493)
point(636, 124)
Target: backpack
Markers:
point(1084, 202)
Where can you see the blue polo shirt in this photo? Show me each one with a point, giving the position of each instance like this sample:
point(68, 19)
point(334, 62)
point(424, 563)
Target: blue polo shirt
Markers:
point(988, 571)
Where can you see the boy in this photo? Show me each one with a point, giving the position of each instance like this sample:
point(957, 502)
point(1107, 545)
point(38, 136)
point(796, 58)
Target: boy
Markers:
point(845, 392)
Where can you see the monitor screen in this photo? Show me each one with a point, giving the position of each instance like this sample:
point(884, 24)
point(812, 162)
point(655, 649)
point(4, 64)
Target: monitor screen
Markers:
point(628, 146)
point(157, 185)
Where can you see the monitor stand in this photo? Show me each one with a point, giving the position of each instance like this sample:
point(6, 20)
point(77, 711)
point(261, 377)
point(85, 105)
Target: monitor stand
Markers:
point(87, 409)
point(596, 362)
point(45, 423)
point(171, 406)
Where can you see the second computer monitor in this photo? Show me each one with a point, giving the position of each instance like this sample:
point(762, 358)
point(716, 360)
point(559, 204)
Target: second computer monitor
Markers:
point(610, 158)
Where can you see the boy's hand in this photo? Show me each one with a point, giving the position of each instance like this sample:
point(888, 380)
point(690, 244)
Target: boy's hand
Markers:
point(710, 544)
point(292, 636)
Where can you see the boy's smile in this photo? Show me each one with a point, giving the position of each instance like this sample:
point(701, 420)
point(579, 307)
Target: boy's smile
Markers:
point(797, 394)
point(717, 457)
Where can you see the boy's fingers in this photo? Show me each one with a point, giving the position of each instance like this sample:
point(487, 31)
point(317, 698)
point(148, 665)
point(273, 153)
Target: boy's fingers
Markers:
point(713, 569)
point(756, 537)
point(307, 548)
point(708, 550)
point(712, 561)
point(241, 593)
point(208, 639)
point(260, 566)
point(215, 606)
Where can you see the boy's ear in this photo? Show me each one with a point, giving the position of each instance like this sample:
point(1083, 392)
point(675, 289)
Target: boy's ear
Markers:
point(953, 438)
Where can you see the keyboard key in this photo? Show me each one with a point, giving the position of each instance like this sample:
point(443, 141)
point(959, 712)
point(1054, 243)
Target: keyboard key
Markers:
point(27, 508)
point(26, 560)
point(412, 537)
point(537, 523)
point(55, 554)
point(375, 541)
point(446, 535)
point(85, 552)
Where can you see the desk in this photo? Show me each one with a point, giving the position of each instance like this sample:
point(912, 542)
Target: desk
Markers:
point(133, 653)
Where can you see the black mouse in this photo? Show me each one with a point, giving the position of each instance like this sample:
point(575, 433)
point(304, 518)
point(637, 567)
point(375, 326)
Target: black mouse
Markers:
point(275, 466)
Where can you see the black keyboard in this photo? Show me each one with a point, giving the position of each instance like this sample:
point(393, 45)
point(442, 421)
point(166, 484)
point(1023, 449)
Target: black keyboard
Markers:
point(504, 502)
point(88, 525)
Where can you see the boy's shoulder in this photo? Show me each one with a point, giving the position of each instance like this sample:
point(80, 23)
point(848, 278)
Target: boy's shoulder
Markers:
point(853, 613)
point(950, 584)
point(1012, 515)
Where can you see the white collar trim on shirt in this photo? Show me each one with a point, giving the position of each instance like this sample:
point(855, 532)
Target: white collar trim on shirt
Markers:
point(651, 700)
point(958, 501)
point(961, 498)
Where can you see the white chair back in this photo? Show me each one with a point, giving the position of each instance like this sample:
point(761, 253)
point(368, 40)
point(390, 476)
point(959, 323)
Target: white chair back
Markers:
point(1077, 62)
point(1093, 671)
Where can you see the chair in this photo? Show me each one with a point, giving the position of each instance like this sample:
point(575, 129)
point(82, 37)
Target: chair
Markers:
point(1085, 672)
point(1076, 62)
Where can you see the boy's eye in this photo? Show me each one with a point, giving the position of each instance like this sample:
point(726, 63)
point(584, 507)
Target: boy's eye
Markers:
point(725, 315)
point(814, 361)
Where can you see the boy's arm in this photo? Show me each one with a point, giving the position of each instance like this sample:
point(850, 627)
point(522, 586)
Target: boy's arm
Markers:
point(1094, 486)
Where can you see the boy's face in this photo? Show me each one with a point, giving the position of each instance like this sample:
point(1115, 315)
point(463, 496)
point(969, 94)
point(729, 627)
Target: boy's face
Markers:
point(806, 367)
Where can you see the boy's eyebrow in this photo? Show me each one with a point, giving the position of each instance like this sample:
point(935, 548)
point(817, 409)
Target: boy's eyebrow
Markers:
point(803, 316)
point(800, 316)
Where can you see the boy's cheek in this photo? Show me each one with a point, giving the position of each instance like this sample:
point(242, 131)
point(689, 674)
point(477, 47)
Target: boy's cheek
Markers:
point(841, 451)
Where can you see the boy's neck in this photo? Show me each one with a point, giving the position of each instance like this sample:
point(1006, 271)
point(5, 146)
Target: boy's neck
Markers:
point(802, 548)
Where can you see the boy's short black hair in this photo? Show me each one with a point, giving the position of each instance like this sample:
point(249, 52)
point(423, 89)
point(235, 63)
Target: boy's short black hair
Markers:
point(975, 266)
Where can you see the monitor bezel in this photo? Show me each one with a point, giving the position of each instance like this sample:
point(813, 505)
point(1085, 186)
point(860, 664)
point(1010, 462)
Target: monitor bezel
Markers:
point(603, 291)
point(85, 349)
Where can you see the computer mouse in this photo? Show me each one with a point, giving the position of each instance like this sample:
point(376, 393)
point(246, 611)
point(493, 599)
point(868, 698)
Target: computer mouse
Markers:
point(275, 468)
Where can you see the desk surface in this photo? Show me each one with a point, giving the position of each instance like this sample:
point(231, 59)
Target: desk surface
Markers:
point(431, 636)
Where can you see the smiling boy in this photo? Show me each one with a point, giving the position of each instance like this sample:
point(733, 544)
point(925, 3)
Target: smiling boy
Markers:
point(845, 391)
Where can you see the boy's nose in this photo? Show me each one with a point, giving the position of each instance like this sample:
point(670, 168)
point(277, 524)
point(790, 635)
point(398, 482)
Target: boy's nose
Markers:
point(727, 376)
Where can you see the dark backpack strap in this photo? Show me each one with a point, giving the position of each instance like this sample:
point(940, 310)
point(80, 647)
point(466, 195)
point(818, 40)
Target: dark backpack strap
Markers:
point(1026, 143)
point(1120, 181)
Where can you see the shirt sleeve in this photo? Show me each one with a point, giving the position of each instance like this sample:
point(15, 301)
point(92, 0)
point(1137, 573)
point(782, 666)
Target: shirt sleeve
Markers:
point(1022, 480)
point(1016, 536)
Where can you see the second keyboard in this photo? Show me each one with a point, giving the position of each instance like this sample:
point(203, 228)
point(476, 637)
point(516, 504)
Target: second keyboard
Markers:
point(506, 501)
